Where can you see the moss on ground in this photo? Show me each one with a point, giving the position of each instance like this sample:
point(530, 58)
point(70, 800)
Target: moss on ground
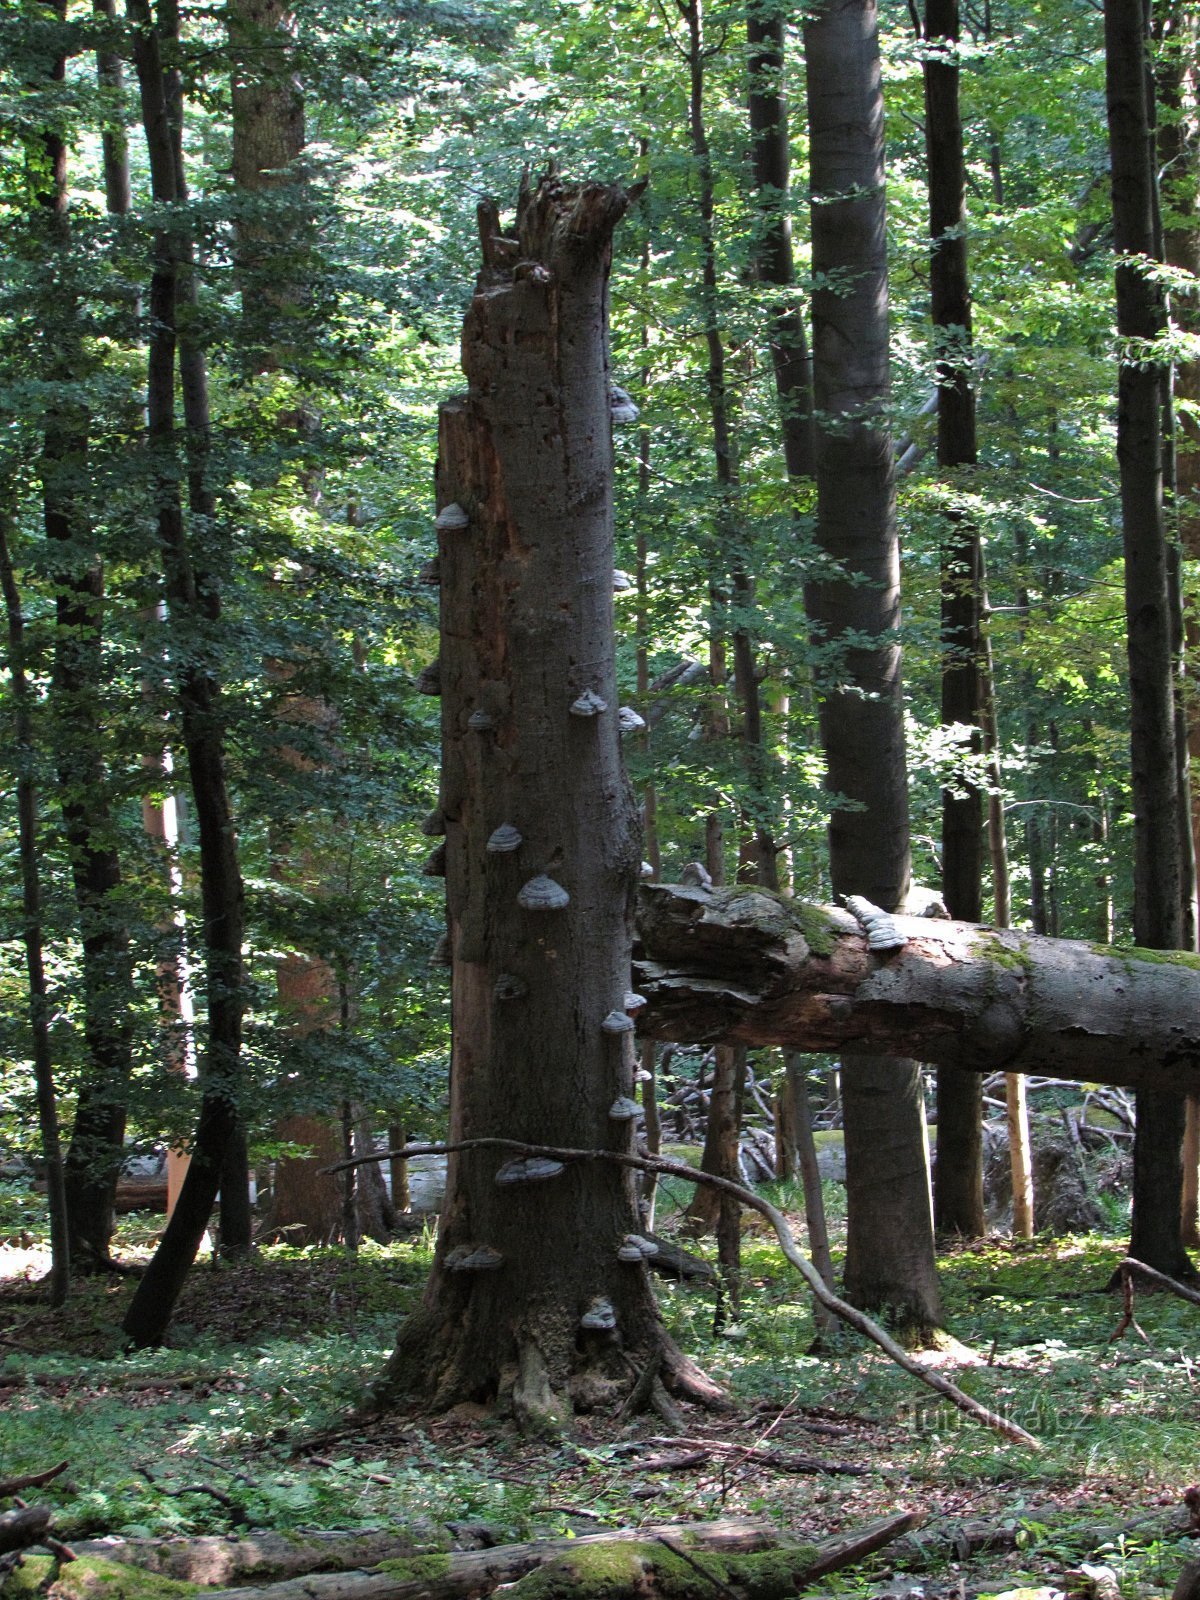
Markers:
point(90, 1578)
point(608, 1571)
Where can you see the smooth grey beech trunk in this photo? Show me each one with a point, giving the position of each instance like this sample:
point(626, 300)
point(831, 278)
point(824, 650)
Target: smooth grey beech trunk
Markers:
point(853, 605)
point(539, 917)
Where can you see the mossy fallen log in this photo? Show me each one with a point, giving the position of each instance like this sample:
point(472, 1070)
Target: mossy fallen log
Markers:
point(677, 1562)
point(743, 966)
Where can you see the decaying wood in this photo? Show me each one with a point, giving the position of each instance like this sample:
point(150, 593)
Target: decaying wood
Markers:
point(26, 1526)
point(840, 1308)
point(208, 1560)
point(1138, 1269)
point(31, 1480)
point(476, 1572)
point(744, 966)
point(747, 1454)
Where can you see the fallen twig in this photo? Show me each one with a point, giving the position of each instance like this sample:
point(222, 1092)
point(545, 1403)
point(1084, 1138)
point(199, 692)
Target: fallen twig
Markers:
point(31, 1480)
point(842, 1309)
point(1159, 1279)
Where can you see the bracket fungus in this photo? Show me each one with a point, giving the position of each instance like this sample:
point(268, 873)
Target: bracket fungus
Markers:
point(529, 1169)
point(696, 875)
point(509, 987)
point(622, 407)
point(599, 1316)
point(879, 927)
point(634, 1002)
point(451, 519)
point(623, 1109)
point(617, 1022)
point(435, 863)
point(622, 582)
point(634, 1247)
point(431, 572)
point(629, 721)
point(481, 721)
point(473, 1258)
point(429, 679)
point(434, 824)
point(589, 704)
point(543, 894)
point(503, 839)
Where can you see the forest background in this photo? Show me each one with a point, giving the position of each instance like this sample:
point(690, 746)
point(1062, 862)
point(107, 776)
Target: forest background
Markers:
point(221, 621)
point(319, 460)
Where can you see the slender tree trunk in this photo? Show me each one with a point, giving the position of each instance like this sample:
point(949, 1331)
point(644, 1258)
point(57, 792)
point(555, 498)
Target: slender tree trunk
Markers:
point(94, 1155)
point(1179, 164)
point(1158, 887)
point(770, 155)
point(190, 601)
point(810, 1176)
point(31, 906)
point(542, 850)
point(958, 1189)
point(890, 1257)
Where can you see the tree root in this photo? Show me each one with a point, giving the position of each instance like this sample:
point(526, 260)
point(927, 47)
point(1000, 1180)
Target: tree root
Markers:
point(840, 1308)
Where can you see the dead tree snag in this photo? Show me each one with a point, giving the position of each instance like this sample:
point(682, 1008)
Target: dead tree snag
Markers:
point(536, 1296)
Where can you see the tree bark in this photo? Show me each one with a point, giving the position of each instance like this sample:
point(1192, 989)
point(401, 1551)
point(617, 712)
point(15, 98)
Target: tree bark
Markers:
point(744, 966)
point(1158, 878)
point(93, 1157)
point(853, 609)
point(958, 1186)
point(31, 907)
point(192, 598)
point(770, 156)
point(540, 922)
point(1178, 140)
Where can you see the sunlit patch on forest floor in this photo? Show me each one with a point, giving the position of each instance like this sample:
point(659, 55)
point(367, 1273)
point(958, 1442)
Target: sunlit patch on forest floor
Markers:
point(241, 1421)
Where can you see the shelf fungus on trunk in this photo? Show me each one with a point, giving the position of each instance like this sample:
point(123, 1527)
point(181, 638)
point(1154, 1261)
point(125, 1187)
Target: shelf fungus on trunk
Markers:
point(503, 839)
point(435, 863)
point(452, 519)
point(629, 721)
point(473, 1258)
point(529, 1169)
point(600, 1316)
point(589, 704)
point(623, 1109)
point(617, 1022)
point(543, 894)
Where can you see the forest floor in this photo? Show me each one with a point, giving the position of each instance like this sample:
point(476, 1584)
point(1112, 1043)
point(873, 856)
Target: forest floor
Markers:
point(241, 1422)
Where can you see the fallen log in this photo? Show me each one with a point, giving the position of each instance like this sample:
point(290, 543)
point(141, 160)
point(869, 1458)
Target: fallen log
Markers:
point(725, 1550)
point(744, 966)
point(209, 1560)
point(26, 1526)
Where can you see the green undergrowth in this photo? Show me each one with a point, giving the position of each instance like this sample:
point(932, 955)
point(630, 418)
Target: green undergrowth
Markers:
point(242, 1421)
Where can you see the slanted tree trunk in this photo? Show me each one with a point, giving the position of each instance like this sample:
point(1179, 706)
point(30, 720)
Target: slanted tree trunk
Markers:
point(541, 847)
point(958, 1188)
point(1159, 893)
point(854, 614)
